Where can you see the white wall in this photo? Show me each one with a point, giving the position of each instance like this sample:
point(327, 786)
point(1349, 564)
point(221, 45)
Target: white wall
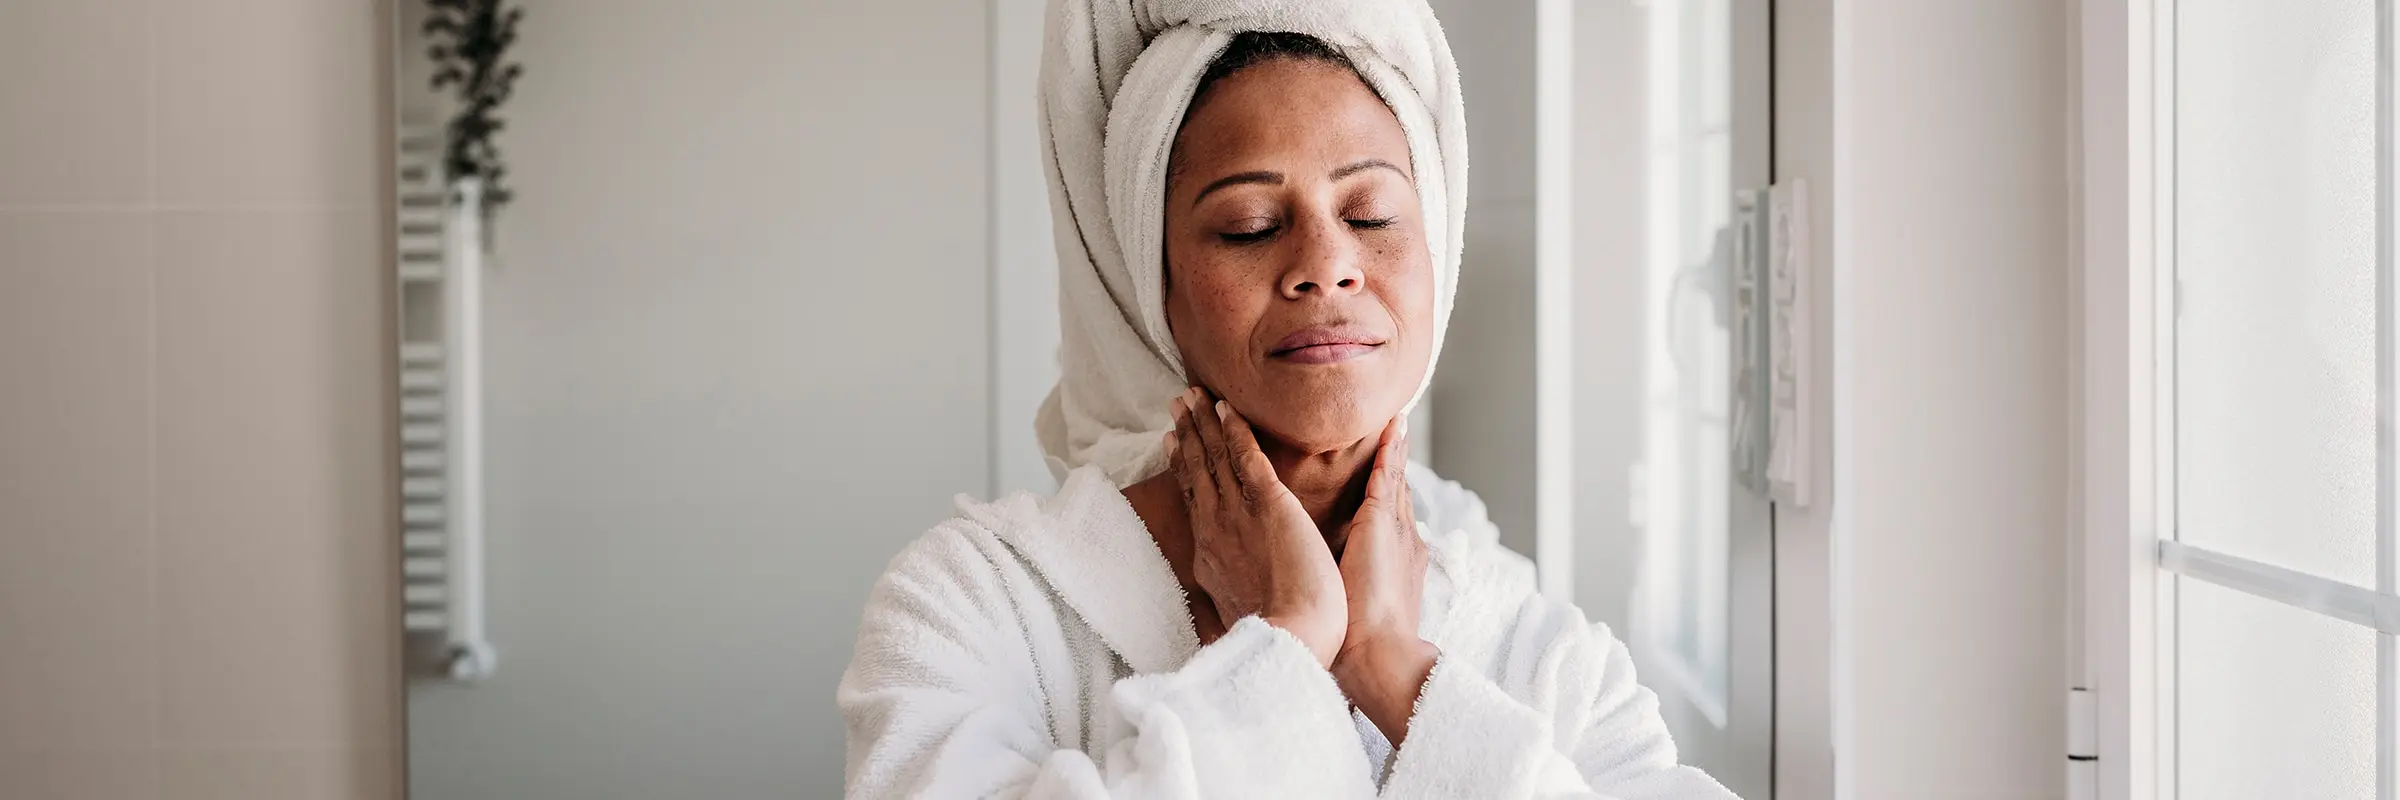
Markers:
point(738, 355)
point(197, 566)
point(1024, 255)
point(1483, 389)
point(1937, 133)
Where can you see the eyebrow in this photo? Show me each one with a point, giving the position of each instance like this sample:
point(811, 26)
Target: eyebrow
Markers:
point(1269, 178)
point(1238, 178)
point(1368, 164)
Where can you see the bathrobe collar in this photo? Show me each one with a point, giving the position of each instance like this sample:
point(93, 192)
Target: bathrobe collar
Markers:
point(1097, 555)
point(1094, 551)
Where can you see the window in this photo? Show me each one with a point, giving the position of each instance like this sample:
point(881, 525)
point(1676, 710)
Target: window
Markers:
point(1682, 610)
point(2275, 397)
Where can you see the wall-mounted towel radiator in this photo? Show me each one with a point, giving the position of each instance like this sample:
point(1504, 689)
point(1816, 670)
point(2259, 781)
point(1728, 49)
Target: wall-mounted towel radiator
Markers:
point(441, 407)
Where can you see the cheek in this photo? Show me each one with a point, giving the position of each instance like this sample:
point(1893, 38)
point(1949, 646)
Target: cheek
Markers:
point(1409, 296)
point(1409, 293)
point(1212, 317)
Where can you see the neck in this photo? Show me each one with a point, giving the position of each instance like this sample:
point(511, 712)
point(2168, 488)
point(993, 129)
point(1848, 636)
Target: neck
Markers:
point(1330, 484)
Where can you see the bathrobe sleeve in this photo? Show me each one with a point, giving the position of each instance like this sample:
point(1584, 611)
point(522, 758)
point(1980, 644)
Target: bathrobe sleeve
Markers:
point(1551, 711)
point(954, 691)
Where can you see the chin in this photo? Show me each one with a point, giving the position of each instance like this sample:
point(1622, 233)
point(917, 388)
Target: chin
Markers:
point(1320, 423)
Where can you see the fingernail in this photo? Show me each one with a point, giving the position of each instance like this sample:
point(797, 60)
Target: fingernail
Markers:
point(1224, 412)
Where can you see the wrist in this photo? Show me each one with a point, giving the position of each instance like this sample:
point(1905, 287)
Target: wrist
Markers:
point(1323, 642)
point(1383, 675)
point(1376, 661)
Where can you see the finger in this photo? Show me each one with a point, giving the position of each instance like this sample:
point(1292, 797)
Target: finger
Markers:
point(1385, 481)
point(1392, 460)
point(1376, 509)
point(1362, 541)
point(1412, 543)
point(1170, 453)
point(1176, 450)
point(1251, 469)
point(1191, 468)
point(1212, 437)
point(1419, 553)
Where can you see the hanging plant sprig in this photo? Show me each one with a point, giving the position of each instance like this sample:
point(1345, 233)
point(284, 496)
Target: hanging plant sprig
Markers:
point(469, 46)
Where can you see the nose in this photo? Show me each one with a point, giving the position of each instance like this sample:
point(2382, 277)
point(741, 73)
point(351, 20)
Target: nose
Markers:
point(1327, 262)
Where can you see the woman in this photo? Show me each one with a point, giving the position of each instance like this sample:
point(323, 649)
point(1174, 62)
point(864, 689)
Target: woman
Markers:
point(1231, 594)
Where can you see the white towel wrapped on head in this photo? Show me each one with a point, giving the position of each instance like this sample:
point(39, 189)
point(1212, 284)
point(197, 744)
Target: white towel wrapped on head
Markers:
point(1117, 77)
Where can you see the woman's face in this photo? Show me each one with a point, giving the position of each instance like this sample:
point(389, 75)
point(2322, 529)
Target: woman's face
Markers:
point(1299, 284)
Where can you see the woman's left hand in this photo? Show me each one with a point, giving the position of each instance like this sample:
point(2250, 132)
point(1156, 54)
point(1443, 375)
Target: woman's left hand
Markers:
point(1382, 663)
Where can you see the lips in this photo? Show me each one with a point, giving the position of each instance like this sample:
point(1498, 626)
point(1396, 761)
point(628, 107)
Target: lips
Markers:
point(1326, 344)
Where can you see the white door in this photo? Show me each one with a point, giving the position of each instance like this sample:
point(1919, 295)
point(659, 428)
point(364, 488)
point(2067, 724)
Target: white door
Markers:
point(2277, 482)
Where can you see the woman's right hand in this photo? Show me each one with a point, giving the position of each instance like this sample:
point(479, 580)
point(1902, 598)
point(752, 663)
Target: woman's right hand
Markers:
point(1255, 550)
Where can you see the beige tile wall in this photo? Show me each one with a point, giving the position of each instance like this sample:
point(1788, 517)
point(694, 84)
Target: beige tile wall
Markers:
point(196, 594)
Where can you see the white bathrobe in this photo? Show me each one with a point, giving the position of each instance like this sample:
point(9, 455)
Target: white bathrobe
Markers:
point(1040, 647)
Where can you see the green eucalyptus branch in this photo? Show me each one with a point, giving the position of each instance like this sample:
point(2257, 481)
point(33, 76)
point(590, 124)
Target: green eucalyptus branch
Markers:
point(469, 47)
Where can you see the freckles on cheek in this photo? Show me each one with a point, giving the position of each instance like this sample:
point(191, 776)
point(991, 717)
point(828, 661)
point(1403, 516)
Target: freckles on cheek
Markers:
point(1212, 332)
point(1225, 322)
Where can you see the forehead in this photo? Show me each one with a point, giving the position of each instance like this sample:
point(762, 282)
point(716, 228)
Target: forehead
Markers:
point(1286, 110)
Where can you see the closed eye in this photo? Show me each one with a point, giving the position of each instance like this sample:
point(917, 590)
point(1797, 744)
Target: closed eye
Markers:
point(1372, 224)
point(1247, 237)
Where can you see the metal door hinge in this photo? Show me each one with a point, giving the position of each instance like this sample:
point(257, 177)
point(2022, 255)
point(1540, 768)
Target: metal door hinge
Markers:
point(2083, 745)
